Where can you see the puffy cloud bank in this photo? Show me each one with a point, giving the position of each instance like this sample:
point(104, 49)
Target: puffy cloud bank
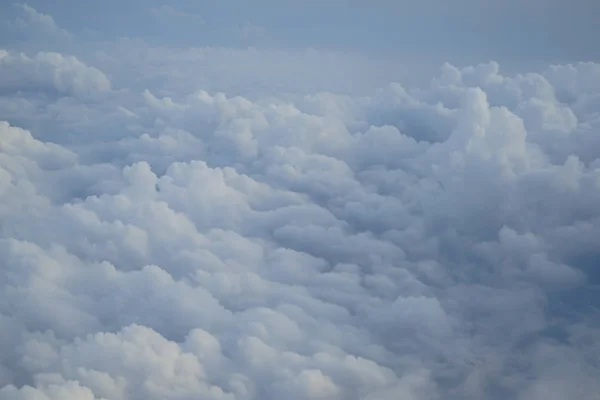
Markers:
point(50, 71)
point(418, 244)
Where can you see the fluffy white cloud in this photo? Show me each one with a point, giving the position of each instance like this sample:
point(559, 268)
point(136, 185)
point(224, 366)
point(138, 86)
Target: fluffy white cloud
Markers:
point(176, 243)
point(50, 71)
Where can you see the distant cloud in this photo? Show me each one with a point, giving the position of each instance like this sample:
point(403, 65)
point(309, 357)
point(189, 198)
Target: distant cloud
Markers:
point(167, 12)
point(65, 74)
point(38, 19)
point(250, 31)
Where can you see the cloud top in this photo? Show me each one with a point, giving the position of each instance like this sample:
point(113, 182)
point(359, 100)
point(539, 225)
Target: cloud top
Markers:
point(165, 241)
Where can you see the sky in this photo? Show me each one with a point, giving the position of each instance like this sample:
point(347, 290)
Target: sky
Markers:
point(305, 200)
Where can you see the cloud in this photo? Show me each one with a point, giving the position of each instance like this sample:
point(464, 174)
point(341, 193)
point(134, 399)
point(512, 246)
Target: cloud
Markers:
point(249, 31)
point(169, 13)
point(51, 71)
point(37, 20)
point(165, 240)
point(26, 28)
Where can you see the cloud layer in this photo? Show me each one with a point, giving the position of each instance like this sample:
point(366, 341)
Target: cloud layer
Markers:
point(173, 242)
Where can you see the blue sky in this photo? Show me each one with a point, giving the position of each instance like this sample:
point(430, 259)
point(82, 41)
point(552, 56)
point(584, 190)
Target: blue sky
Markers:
point(511, 31)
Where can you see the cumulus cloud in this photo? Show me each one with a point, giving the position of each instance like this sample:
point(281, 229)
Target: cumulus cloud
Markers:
point(173, 242)
point(50, 71)
point(32, 19)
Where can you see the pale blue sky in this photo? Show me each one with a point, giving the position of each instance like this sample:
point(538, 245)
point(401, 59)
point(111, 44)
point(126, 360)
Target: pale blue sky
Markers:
point(545, 30)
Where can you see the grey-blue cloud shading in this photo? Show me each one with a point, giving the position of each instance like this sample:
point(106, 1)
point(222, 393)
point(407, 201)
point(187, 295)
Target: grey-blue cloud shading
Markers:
point(304, 200)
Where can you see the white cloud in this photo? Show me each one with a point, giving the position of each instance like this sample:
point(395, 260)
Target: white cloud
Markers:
point(164, 241)
point(35, 20)
point(51, 71)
